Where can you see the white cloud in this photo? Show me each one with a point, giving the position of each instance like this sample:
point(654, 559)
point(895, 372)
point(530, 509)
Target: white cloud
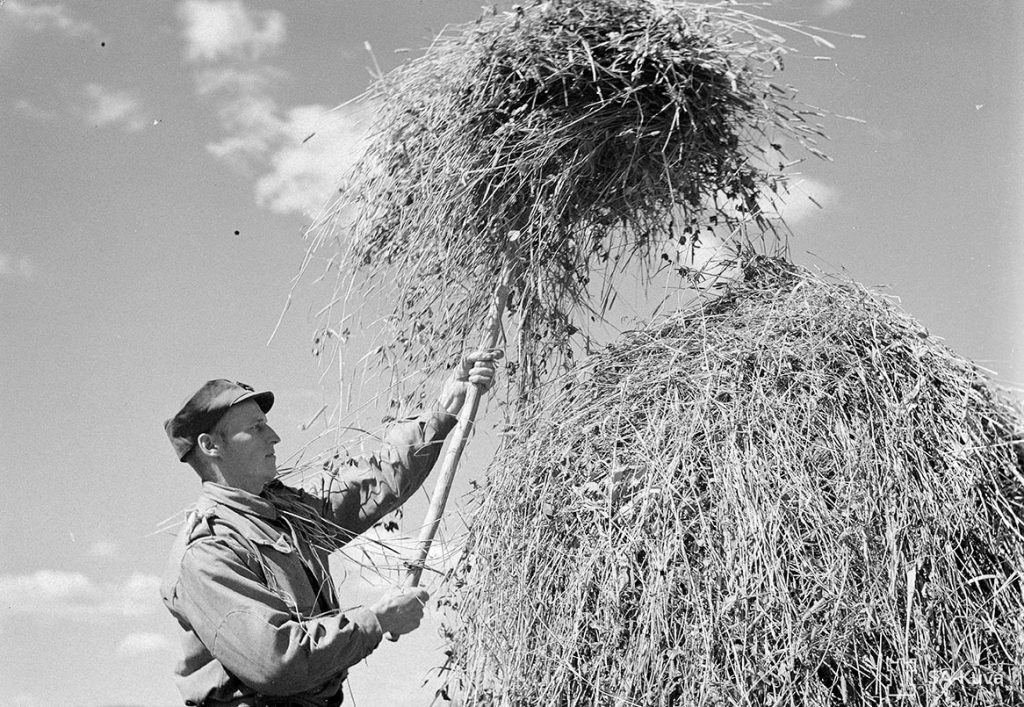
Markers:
point(31, 110)
point(712, 263)
point(831, 7)
point(798, 199)
point(246, 112)
point(72, 595)
point(46, 585)
point(225, 29)
point(16, 267)
point(805, 199)
point(253, 130)
point(138, 644)
point(111, 107)
point(25, 699)
point(296, 155)
point(40, 17)
point(238, 82)
point(320, 147)
point(99, 106)
point(139, 595)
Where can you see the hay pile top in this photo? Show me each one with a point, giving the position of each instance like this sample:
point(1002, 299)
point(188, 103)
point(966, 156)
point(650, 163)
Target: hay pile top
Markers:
point(574, 136)
point(791, 496)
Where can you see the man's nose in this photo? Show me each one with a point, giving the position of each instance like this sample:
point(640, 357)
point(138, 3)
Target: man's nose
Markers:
point(273, 438)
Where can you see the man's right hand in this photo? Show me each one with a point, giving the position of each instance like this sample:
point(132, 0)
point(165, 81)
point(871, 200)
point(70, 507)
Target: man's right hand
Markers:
point(400, 610)
point(476, 368)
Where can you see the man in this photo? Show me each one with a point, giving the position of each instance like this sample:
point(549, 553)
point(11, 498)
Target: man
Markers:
point(247, 579)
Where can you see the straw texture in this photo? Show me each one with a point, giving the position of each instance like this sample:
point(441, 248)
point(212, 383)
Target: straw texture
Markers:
point(792, 495)
point(572, 138)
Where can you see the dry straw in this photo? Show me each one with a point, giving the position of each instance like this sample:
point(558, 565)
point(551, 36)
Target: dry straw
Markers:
point(790, 496)
point(569, 138)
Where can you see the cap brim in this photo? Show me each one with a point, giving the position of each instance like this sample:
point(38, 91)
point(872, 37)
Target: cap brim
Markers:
point(265, 400)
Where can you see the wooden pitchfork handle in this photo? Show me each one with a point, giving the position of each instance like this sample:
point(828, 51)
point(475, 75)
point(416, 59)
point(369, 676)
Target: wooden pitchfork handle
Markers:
point(460, 436)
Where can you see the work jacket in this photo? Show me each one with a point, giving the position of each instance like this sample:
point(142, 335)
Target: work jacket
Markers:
point(248, 584)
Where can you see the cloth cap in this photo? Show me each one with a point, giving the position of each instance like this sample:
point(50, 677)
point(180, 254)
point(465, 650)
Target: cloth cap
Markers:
point(206, 407)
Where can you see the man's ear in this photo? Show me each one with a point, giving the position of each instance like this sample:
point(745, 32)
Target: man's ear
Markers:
point(207, 444)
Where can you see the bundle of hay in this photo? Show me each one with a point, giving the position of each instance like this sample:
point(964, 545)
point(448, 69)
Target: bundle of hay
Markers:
point(791, 496)
point(569, 138)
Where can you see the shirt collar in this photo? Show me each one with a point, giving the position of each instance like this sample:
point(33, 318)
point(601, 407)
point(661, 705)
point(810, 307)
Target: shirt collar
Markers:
point(236, 499)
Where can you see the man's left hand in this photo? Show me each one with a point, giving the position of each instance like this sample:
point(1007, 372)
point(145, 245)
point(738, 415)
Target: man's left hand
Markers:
point(477, 368)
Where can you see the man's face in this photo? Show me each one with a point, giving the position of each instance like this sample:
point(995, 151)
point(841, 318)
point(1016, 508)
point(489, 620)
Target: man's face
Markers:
point(247, 442)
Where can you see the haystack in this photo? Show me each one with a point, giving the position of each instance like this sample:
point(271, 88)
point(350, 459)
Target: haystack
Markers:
point(563, 142)
point(793, 495)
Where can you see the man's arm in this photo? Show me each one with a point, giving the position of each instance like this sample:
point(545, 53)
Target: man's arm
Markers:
point(359, 497)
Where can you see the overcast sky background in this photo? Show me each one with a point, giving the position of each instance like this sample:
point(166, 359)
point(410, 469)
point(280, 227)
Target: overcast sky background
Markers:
point(154, 187)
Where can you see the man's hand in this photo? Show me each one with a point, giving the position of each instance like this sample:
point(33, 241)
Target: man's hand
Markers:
point(400, 610)
point(476, 368)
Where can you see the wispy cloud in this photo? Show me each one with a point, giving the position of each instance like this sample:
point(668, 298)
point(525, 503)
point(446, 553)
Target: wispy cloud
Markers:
point(831, 7)
point(295, 155)
point(805, 199)
point(42, 17)
point(139, 644)
point(25, 699)
point(799, 199)
point(16, 267)
point(31, 110)
point(248, 115)
point(74, 596)
point(320, 146)
point(218, 29)
point(110, 107)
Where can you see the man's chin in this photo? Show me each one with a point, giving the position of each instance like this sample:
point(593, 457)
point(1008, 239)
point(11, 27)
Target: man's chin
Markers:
point(269, 473)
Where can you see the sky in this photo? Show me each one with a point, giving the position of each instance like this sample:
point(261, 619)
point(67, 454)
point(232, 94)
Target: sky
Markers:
point(155, 182)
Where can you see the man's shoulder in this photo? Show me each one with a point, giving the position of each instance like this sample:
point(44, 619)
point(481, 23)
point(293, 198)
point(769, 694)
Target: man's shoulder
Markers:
point(207, 545)
point(214, 523)
point(214, 542)
point(196, 527)
point(227, 527)
point(218, 527)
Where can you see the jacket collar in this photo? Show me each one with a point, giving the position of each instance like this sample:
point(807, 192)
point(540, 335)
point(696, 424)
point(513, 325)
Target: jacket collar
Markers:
point(242, 501)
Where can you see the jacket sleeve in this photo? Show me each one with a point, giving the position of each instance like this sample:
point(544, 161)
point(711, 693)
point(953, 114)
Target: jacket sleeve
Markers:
point(360, 496)
point(250, 630)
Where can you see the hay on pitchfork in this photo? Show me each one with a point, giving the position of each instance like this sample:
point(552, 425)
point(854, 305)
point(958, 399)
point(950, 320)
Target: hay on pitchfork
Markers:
point(573, 137)
point(793, 495)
